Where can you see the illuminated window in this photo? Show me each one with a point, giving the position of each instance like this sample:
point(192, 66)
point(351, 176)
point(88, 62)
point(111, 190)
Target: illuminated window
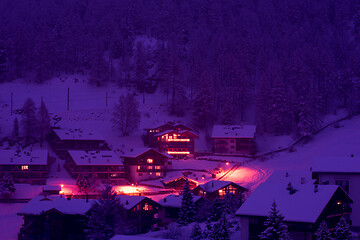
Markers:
point(24, 168)
point(138, 167)
point(222, 193)
point(150, 167)
point(158, 174)
point(157, 167)
point(147, 207)
point(149, 160)
point(150, 173)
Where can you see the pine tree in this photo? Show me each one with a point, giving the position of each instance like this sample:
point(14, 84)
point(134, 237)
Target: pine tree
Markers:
point(44, 121)
point(323, 232)
point(126, 116)
point(106, 216)
point(187, 212)
point(3, 61)
point(16, 128)
point(7, 184)
point(220, 230)
point(307, 123)
point(85, 184)
point(228, 113)
point(196, 233)
point(216, 210)
point(342, 230)
point(29, 121)
point(99, 73)
point(276, 228)
point(232, 203)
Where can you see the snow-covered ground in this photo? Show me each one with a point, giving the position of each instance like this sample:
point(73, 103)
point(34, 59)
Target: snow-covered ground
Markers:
point(88, 111)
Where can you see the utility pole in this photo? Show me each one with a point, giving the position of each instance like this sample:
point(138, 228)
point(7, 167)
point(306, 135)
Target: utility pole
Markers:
point(68, 98)
point(11, 104)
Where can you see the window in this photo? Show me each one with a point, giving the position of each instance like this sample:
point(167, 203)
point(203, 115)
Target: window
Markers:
point(24, 168)
point(232, 141)
point(149, 167)
point(344, 184)
point(158, 174)
point(157, 167)
point(222, 193)
point(138, 167)
point(147, 207)
point(149, 160)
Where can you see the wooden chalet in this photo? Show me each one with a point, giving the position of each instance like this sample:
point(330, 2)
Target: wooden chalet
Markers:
point(145, 163)
point(216, 189)
point(140, 212)
point(174, 139)
point(178, 183)
point(303, 205)
point(63, 140)
point(171, 205)
point(27, 166)
point(234, 139)
point(55, 218)
point(105, 166)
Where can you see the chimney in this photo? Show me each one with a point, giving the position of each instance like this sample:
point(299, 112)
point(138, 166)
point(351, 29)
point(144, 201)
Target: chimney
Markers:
point(286, 174)
point(289, 186)
point(127, 202)
point(68, 197)
point(212, 184)
point(316, 188)
point(164, 199)
point(87, 197)
point(302, 181)
point(11, 160)
point(352, 155)
point(30, 159)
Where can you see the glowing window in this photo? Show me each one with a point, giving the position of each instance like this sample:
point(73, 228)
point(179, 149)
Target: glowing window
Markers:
point(147, 207)
point(138, 167)
point(157, 167)
point(149, 167)
point(158, 174)
point(24, 168)
point(149, 160)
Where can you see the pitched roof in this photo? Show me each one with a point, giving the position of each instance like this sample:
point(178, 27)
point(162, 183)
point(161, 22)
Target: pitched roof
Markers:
point(233, 131)
point(305, 205)
point(95, 158)
point(135, 152)
point(34, 157)
point(175, 131)
point(175, 200)
point(337, 165)
point(77, 134)
point(131, 201)
point(215, 185)
point(40, 204)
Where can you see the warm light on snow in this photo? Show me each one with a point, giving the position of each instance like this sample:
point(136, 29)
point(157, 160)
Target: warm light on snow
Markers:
point(170, 152)
point(129, 190)
point(178, 140)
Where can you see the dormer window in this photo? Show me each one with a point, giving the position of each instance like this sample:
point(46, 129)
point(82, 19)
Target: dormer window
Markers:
point(25, 167)
point(149, 160)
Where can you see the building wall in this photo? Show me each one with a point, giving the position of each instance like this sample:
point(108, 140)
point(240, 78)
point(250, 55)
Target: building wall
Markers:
point(244, 230)
point(234, 145)
point(354, 193)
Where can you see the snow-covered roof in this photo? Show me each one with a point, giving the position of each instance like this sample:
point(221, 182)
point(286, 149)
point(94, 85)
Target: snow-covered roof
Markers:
point(175, 131)
point(95, 158)
point(51, 188)
point(130, 237)
point(40, 204)
point(337, 165)
point(77, 134)
point(131, 201)
point(34, 157)
point(305, 205)
point(135, 152)
point(175, 201)
point(214, 185)
point(233, 131)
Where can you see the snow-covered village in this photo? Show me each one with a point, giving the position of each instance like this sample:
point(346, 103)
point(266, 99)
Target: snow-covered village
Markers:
point(187, 120)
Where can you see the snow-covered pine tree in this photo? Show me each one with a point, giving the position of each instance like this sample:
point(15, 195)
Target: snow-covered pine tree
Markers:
point(85, 184)
point(342, 230)
point(196, 233)
point(323, 233)
point(187, 212)
point(276, 228)
point(126, 116)
point(44, 121)
point(307, 123)
point(141, 68)
point(29, 121)
point(220, 230)
point(232, 203)
point(227, 112)
point(216, 210)
point(99, 72)
point(106, 216)
point(3, 61)
point(7, 184)
point(208, 229)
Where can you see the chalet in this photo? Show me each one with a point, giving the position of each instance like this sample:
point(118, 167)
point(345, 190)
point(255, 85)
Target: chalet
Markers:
point(103, 165)
point(174, 139)
point(303, 205)
point(344, 172)
point(178, 183)
point(171, 205)
point(27, 166)
point(63, 140)
point(216, 189)
point(234, 139)
point(145, 163)
point(54, 218)
point(140, 212)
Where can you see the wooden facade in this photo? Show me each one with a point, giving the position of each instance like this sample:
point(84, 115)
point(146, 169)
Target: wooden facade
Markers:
point(105, 166)
point(218, 189)
point(26, 166)
point(144, 164)
point(179, 183)
point(63, 140)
